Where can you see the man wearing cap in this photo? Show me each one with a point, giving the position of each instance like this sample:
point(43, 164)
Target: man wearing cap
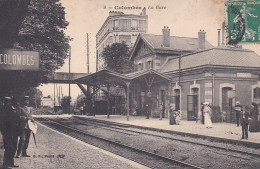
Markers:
point(25, 132)
point(238, 109)
point(9, 125)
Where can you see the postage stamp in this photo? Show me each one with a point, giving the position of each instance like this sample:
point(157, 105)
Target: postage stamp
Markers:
point(243, 21)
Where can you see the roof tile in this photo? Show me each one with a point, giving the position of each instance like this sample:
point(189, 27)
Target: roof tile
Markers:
point(216, 57)
point(176, 43)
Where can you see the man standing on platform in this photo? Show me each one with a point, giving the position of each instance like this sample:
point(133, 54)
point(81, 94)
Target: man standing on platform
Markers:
point(147, 110)
point(245, 117)
point(238, 109)
point(9, 128)
point(25, 134)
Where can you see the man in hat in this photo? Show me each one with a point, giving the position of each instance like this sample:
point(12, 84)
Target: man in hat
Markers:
point(9, 125)
point(25, 134)
point(238, 109)
point(245, 118)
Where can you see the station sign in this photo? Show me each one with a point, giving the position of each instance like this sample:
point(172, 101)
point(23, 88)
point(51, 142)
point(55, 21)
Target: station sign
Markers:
point(11, 59)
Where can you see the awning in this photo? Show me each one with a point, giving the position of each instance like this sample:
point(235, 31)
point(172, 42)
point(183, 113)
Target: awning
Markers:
point(108, 76)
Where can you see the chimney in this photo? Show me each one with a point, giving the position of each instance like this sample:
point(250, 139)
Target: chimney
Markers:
point(218, 37)
point(223, 32)
point(143, 11)
point(201, 38)
point(166, 37)
point(113, 13)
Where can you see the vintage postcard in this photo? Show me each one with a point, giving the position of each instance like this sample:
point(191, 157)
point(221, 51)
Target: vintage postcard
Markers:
point(129, 84)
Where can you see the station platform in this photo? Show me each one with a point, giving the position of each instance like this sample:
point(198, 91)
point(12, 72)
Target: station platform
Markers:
point(220, 131)
point(58, 151)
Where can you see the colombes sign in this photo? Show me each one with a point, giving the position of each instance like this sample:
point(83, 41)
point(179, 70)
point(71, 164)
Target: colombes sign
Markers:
point(11, 59)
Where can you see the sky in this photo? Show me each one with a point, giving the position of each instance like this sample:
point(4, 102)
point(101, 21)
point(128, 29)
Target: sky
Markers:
point(184, 18)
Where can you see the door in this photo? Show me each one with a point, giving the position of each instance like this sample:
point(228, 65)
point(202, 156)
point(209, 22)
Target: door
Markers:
point(227, 104)
point(163, 102)
point(192, 106)
point(177, 98)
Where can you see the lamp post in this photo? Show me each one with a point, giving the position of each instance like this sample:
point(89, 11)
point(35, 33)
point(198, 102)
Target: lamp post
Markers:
point(180, 57)
point(69, 76)
point(213, 86)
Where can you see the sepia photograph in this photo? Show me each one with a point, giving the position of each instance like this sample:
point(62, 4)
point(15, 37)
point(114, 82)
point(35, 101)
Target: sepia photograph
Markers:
point(129, 84)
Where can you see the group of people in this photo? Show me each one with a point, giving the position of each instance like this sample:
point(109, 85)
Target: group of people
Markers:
point(247, 117)
point(176, 115)
point(13, 125)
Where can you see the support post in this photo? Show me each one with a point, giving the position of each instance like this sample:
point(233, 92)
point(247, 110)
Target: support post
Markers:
point(108, 100)
point(127, 100)
point(54, 99)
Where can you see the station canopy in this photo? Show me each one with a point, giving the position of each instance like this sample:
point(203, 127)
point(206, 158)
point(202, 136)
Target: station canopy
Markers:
point(108, 76)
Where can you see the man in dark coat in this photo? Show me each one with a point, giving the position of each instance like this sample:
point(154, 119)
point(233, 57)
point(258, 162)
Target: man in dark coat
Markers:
point(9, 130)
point(238, 109)
point(147, 109)
point(245, 115)
point(253, 125)
point(25, 132)
point(202, 113)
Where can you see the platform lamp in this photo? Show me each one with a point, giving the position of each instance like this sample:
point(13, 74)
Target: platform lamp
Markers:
point(149, 94)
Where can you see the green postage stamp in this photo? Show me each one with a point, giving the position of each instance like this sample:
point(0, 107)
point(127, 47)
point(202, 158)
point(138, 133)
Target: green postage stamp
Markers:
point(243, 21)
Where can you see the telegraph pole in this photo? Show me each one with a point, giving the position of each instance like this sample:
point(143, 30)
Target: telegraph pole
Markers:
point(69, 76)
point(54, 99)
point(87, 53)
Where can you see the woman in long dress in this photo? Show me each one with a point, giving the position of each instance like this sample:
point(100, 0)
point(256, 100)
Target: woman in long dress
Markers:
point(207, 116)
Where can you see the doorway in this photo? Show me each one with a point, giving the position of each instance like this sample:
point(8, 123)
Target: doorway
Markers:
point(227, 104)
point(177, 98)
point(192, 107)
point(163, 102)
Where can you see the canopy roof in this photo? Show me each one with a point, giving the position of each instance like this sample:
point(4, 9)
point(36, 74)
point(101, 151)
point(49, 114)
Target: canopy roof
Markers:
point(107, 76)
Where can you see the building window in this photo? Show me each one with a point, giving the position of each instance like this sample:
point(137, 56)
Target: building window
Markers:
point(195, 91)
point(141, 25)
point(257, 93)
point(149, 64)
point(125, 38)
point(140, 66)
point(125, 24)
point(110, 26)
point(134, 24)
point(115, 25)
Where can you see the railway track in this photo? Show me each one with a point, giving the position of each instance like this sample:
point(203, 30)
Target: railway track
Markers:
point(124, 128)
point(144, 157)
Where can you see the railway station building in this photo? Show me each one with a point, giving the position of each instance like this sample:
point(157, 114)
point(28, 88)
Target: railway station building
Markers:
point(198, 73)
point(186, 72)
